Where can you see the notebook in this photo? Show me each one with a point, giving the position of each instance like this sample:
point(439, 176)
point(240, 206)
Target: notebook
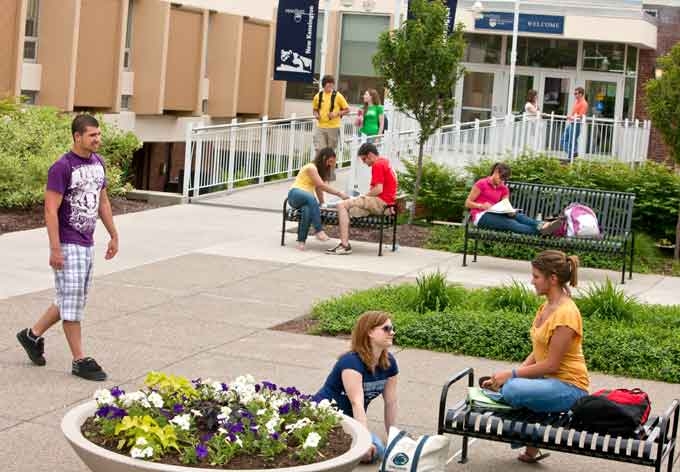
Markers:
point(502, 207)
point(486, 400)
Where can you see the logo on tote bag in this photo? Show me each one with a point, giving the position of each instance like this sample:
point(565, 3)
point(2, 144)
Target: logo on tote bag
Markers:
point(400, 459)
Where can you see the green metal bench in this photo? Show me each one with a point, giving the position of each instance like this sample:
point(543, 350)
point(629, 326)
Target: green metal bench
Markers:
point(614, 212)
point(654, 443)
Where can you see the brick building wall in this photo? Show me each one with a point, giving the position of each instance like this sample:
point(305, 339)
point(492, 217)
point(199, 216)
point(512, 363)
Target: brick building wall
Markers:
point(668, 23)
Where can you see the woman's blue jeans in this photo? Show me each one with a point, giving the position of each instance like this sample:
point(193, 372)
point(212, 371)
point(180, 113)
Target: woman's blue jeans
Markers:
point(309, 211)
point(541, 395)
point(379, 448)
point(520, 223)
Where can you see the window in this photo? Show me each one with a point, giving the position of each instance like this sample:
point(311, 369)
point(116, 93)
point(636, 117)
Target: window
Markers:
point(30, 96)
point(31, 31)
point(483, 48)
point(629, 98)
point(603, 57)
point(545, 52)
point(631, 61)
point(125, 102)
point(128, 38)
point(358, 45)
point(304, 90)
point(204, 106)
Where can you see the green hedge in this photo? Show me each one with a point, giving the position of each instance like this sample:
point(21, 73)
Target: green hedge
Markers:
point(648, 346)
point(32, 138)
point(656, 187)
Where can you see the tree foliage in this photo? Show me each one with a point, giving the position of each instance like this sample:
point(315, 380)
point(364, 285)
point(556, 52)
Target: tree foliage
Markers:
point(421, 65)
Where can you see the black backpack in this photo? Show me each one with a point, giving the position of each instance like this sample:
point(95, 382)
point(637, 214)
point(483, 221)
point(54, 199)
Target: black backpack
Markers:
point(333, 94)
point(619, 412)
point(385, 123)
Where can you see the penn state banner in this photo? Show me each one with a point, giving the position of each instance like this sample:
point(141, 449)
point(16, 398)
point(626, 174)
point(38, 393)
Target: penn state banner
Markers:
point(451, 6)
point(296, 40)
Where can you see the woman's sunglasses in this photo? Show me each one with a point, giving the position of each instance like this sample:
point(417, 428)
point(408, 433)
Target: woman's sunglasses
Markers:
point(388, 328)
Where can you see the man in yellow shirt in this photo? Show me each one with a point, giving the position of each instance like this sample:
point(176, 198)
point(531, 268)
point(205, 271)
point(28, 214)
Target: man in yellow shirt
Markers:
point(328, 106)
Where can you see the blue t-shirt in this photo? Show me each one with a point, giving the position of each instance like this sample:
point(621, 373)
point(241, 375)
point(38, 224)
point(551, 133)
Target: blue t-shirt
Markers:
point(374, 384)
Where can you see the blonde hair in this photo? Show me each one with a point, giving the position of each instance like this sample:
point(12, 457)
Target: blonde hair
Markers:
point(361, 341)
point(557, 263)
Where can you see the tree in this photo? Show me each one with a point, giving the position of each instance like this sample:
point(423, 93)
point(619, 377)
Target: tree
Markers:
point(663, 104)
point(421, 65)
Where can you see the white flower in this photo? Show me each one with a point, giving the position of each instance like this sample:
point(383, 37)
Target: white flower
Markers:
point(155, 399)
point(239, 442)
point(272, 424)
point(261, 412)
point(312, 440)
point(225, 411)
point(324, 404)
point(139, 453)
point(131, 398)
point(183, 422)
point(196, 413)
point(141, 441)
point(299, 424)
point(104, 397)
point(217, 386)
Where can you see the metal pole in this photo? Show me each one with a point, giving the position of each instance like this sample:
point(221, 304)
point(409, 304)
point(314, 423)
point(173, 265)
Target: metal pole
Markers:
point(513, 57)
point(324, 40)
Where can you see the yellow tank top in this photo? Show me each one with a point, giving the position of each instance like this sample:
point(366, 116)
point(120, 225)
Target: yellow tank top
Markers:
point(304, 181)
point(573, 368)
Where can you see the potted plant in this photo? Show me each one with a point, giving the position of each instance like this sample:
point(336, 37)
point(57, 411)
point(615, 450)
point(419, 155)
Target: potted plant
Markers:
point(173, 424)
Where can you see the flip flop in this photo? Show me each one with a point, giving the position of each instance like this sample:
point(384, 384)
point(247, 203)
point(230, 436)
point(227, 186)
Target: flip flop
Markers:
point(482, 380)
point(527, 459)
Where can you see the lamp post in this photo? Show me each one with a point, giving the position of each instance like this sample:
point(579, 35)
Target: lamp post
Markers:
point(324, 40)
point(478, 8)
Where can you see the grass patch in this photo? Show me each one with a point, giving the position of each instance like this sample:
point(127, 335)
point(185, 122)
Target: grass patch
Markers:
point(626, 338)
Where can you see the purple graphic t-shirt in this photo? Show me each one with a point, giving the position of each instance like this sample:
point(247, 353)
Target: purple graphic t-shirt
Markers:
point(79, 180)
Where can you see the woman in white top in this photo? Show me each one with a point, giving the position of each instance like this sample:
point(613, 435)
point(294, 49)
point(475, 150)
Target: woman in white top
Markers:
point(531, 106)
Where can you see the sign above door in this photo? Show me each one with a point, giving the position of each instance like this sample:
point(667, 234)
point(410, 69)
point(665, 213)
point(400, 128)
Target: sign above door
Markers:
point(503, 21)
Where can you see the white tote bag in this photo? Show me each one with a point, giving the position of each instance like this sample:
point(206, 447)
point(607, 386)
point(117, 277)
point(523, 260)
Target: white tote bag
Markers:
point(425, 454)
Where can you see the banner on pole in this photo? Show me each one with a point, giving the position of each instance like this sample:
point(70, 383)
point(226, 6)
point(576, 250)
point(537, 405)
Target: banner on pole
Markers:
point(451, 6)
point(295, 50)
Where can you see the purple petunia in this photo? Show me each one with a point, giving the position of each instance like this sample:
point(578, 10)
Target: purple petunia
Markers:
point(269, 385)
point(258, 387)
point(295, 404)
point(232, 437)
point(246, 414)
point(284, 409)
point(201, 451)
point(274, 436)
point(236, 428)
point(117, 392)
point(111, 412)
point(290, 390)
point(225, 387)
point(207, 437)
point(197, 382)
point(178, 408)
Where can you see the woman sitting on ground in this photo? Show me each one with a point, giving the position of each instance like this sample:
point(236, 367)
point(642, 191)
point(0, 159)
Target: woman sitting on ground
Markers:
point(307, 193)
point(488, 191)
point(367, 371)
point(554, 375)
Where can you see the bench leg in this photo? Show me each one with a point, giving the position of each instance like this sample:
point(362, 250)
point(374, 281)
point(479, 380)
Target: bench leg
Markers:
point(465, 244)
point(382, 224)
point(394, 234)
point(283, 225)
point(623, 264)
point(464, 451)
point(474, 259)
point(632, 253)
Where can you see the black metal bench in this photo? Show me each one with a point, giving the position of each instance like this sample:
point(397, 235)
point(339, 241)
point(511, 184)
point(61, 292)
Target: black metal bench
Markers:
point(614, 212)
point(656, 444)
point(330, 217)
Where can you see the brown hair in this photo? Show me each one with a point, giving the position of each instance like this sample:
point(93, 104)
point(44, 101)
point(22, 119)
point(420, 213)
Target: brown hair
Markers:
point(564, 267)
point(503, 170)
point(375, 99)
point(531, 95)
point(321, 162)
point(327, 79)
point(361, 342)
point(580, 90)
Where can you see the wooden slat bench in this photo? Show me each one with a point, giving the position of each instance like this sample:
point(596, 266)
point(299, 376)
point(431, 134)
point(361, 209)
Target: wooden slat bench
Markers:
point(614, 212)
point(330, 217)
point(656, 445)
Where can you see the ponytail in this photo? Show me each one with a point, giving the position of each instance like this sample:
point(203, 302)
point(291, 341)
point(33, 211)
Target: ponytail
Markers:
point(557, 263)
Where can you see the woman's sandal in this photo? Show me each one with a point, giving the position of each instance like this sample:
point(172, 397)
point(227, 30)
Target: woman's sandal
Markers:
point(484, 379)
point(527, 459)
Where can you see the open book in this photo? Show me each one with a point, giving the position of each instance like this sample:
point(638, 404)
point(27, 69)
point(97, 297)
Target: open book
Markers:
point(503, 206)
point(486, 400)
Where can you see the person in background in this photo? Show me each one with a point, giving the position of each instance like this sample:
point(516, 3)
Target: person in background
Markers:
point(307, 193)
point(488, 191)
point(531, 106)
point(554, 376)
point(371, 118)
point(573, 128)
point(367, 371)
point(328, 108)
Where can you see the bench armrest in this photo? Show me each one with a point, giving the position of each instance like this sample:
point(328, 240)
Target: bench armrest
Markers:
point(672, 412)
point(470, 373)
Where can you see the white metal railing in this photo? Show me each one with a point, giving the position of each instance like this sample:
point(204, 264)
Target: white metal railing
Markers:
point(223, 157)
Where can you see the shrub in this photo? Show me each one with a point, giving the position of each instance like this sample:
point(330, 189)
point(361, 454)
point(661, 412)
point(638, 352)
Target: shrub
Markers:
point(646, 346)
point(656, 187)
point(32, 138)
point(433, 293)
point(607, 302)
point(443, 191)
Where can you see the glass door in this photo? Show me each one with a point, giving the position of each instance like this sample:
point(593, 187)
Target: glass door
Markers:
point(522, 85)
point(555, 96)
point(477, 96)
point(601, 97)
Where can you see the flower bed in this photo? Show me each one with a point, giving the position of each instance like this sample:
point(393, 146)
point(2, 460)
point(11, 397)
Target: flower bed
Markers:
point(243, 425)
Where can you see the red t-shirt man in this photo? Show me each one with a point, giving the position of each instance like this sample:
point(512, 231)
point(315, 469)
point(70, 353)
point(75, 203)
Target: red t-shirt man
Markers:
point(382, 173)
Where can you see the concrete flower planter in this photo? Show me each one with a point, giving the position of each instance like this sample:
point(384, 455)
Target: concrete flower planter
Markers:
point(99, 459)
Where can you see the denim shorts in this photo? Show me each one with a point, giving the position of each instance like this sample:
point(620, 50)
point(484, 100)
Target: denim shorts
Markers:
point(73, 281)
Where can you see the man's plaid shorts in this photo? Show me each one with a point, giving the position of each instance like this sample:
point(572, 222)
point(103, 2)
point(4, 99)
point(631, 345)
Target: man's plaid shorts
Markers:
point(73, 281)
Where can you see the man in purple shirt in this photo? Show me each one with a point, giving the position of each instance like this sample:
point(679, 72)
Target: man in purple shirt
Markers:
point(75, 196)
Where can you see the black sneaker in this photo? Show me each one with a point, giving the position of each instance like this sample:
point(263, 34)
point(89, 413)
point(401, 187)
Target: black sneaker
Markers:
point(34, 346)
point(340, 250)
point(88, 369)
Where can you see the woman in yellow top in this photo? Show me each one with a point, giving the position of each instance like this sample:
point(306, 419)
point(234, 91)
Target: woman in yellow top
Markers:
point(310, 184)
point(554, 375)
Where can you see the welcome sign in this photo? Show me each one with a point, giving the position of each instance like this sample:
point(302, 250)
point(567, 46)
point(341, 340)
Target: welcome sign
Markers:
point(295, 51)
point(503, 21)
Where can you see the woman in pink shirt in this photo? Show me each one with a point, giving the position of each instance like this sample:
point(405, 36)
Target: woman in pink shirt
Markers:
point(488, 191)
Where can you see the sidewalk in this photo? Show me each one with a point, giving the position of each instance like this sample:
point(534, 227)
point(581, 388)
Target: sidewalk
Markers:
point(194, 292)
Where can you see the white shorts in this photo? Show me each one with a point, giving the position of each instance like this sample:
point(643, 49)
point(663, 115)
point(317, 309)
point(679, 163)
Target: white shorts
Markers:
point(72, 282)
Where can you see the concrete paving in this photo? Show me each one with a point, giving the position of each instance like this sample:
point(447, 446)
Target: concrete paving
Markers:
point(194, 292)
